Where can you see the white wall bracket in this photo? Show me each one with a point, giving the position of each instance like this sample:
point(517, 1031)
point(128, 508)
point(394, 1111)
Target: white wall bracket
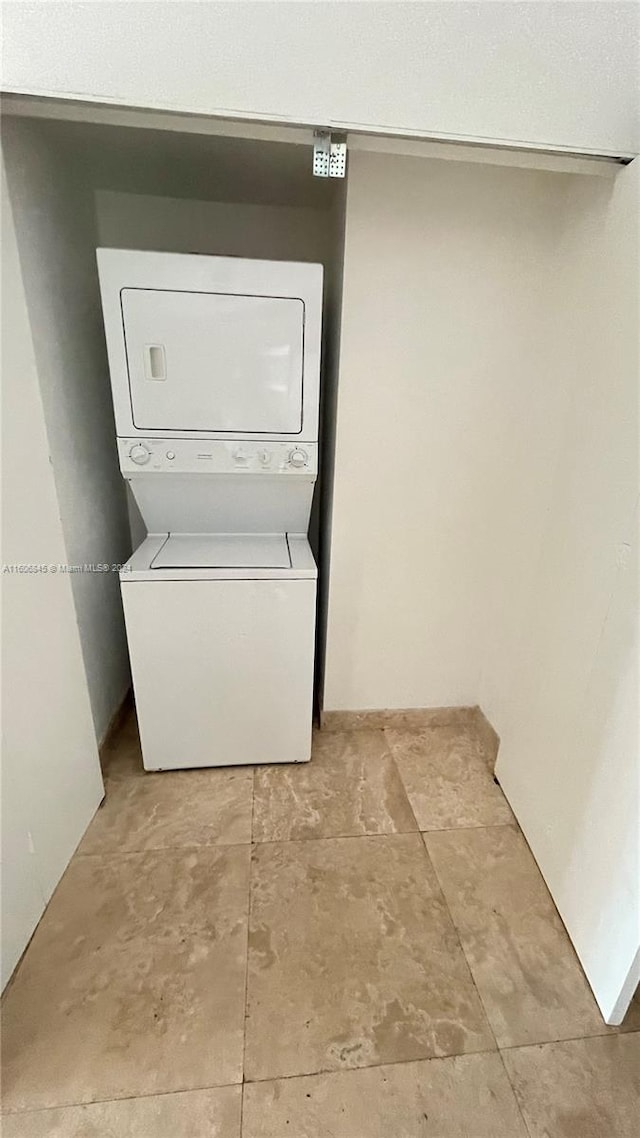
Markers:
point(329, 158)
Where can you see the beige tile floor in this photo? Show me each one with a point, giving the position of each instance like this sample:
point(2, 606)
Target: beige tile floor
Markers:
point(355, 948)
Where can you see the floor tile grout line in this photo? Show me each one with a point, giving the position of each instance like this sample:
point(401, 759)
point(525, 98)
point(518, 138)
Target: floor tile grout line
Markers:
point(510, 1047)
point(465, 829)
point(161, 850)
point(338, 838)
point(370, 1066)
point(478, 992)
point(283, 841)
point(267, 1079)
point(525, 1124)
point(252, 1082)
point(459, 940)
point(444, 829)
point(611, 1033)
point(515, 825)
point(171, 850)
point(311, 1074)
point(399, 774)
point(121, 1098)
point(328, 838)
point(253, 805)
point(245, 1009)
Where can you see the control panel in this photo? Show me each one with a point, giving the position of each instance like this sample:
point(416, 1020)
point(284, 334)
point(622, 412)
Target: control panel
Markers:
point(195, 456)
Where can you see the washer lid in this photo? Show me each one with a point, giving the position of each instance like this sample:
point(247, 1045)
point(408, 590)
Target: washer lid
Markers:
point(223, 551)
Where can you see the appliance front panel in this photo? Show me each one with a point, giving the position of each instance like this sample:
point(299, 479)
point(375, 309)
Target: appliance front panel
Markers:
point(267, 319)
point(222, 670)
point(220, 503)
point(214, 362)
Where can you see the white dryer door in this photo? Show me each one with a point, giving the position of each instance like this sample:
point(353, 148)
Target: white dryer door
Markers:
point(202, 361)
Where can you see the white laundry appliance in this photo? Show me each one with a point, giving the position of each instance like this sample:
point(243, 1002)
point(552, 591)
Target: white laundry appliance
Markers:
point(215, 366)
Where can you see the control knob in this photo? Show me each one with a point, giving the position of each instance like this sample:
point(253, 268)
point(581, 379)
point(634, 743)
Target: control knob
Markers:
point(139, 454)
point(298, 458)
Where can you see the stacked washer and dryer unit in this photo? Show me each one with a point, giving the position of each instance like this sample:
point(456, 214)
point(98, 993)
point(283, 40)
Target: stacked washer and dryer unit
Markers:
point(215, 372)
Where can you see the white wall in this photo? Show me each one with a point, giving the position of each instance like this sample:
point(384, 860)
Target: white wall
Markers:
point(554, 74)
point(51, 781)
point(484, 541)
point(445, 346)
point(55, 223)
point(564, 696)
point(225, 229)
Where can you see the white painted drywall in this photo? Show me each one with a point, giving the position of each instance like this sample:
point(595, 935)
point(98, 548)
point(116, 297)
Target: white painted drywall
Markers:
point(554, 74)
point(484, 521)
point(226, 229)
point(51, 781)
point(444, 347)
point(55, 223)
point(563, 689)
